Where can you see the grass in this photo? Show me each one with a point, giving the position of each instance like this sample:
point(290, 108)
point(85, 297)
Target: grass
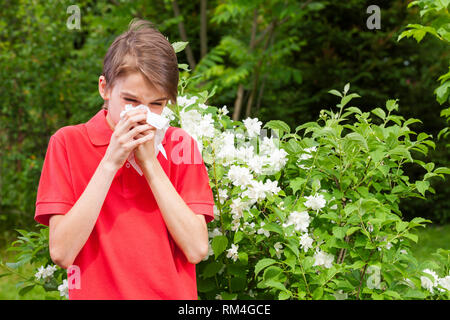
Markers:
point(10, 285)
point(431, 238)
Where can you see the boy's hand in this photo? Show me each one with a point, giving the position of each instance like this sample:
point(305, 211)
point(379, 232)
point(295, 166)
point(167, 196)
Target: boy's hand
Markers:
point(146, 150)
point(123, 138)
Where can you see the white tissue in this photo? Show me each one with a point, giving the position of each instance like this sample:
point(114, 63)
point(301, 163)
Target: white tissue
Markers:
point(159, 122)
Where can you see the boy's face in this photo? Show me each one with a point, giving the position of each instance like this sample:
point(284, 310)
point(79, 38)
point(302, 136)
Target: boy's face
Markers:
point(133, 89)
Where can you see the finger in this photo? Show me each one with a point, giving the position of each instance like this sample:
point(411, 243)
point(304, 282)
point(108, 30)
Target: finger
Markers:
point(139, 129)
point(129, 122)
point(133, 144)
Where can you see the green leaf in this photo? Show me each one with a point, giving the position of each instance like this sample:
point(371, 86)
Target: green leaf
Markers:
point(278, 125)
point(284, 295)
point(264, 263)
point(339, 232)
point(272, 273)
point(422, 186)
point(442, 92)
point(352, 230)
point(184, 66)
point(347, 99)
point(392, 105)
point(317, 293)
point(296, 184)
point(401, 225)
point(359, 139)
point(219, 244)
point(335, 92)
point(411, 236)
point(442, 170)
point(243, 257)
point(26, 289)
point(211, 269)
point(414, 294)
point(275, 284)
point(379, 113)
point(273, 227)
point(179, 46)
point(346, 88)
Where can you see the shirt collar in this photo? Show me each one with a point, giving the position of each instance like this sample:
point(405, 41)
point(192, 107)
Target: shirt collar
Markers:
point(99, 131)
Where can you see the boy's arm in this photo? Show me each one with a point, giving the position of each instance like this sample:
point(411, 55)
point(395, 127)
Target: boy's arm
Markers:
point(68, 233)
point(187, 228)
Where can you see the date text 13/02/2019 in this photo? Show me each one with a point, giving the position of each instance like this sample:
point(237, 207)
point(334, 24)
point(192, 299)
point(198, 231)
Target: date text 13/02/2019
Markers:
point(225, 309)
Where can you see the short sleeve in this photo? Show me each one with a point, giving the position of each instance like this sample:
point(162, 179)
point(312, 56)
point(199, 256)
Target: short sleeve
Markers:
point(55, 193)
point(192, 181)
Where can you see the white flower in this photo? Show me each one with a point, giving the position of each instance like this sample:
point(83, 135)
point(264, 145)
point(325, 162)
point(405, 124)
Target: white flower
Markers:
point(223, 195)
point(250, 226)
point(426, 282)
point(237, 208)
point(255, 192)
point(216, 232)
point(202, 106)
point(306, 242)
point(224, 110)
point(240, 176)
point(64, 289)
point(300, 220)
point(315, 202)
point(232, 253)
point(256, 164)
point(216, 213)
point(340, 295)
point(309, 150)
point(276, 161)
point(183, 101)
point(196, 125)
point(278, 250)
point(445, 282)
point(235, 224)
point(322, 258)
point(168, 113)
point(263, 231)
point(271, 186)
point(224, 147)
point(388, 245)
point(44, 273)
point(245, 153)
point(305, 156)
point(253, 126)
point(39, 273)
point(210, 252)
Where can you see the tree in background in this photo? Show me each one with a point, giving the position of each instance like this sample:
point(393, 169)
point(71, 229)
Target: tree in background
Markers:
point(271, 60)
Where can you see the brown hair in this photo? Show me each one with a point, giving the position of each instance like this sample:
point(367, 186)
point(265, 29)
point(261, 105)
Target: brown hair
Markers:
point(142, 48)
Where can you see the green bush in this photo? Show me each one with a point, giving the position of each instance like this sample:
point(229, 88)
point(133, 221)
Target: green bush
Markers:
point(305, 214)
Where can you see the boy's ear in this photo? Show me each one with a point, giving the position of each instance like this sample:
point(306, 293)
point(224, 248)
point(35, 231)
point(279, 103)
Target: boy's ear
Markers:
point(102, 89)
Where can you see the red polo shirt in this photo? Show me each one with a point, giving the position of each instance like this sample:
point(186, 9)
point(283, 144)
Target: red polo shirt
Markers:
point(130, 253)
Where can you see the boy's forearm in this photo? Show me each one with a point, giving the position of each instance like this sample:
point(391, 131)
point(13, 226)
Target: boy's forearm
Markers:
point(73, 229)
point(187, 228)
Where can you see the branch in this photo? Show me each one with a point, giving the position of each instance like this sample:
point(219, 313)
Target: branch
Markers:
point(190, 56)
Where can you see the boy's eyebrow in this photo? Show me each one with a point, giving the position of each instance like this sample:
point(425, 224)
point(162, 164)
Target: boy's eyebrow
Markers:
point(134, 97)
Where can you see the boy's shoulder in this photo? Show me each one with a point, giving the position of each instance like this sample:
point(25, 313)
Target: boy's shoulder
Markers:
point(69, 132)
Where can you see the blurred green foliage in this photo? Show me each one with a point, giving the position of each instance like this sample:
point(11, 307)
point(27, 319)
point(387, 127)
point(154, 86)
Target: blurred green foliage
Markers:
point(279, 57)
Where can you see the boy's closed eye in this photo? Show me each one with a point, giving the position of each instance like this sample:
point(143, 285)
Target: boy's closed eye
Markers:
point(135, 101)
